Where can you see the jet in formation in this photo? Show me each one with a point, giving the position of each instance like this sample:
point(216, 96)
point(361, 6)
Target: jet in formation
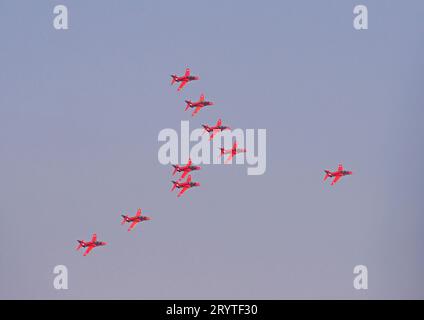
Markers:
point(232, 152)
point(184, 186)
point(336, 174)
point(198, 104)
point(184, 169)
point(134, 220)
point(215, 129)
point(186, 78)
point(90, 245)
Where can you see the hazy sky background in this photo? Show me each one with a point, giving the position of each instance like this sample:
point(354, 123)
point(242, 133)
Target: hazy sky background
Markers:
point(80, 112)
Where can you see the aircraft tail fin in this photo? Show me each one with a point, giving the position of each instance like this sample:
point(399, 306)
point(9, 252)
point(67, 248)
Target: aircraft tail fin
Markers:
point(174, 78)
point(327, 174)
point(79, 244)
point(205, 128)
point(188, 103)
point(124, 219)
point(175, 169)
point(174, 186)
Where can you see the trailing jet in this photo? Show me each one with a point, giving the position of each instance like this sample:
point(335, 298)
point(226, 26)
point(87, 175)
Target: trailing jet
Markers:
point(336, 174)
point(134, 220)
point(215, 129)
point(184, 186)
point(232, 152)
point(198, 104)
point(183, 79)
point(185, 169)
point(90, 245)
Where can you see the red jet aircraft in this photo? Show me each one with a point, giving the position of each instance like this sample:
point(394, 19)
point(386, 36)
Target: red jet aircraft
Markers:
point(134, 220)
point(185, 169)
point(336, 174)
point(183, 79)
point(198, 104)
point(184, 186)
point(215, 129)
point(232, 152)
point(90, 245)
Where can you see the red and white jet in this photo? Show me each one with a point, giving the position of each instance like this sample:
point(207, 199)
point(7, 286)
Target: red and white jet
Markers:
point(90, 244)
point(198, 104)
point(336, 174)
point(134, 220)
point(184, 186)
point(183, 79)
point(215, 129)
point(232, 152)
point(185, 169)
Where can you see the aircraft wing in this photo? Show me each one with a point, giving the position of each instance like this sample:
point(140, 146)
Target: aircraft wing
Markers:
point(87, 251)
point(182, 191)
point(337, 178)
point(132, 225)
point(182, 84)
point(196, 111)
point(94, 238)
point(138, 213)
point(183, 175)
